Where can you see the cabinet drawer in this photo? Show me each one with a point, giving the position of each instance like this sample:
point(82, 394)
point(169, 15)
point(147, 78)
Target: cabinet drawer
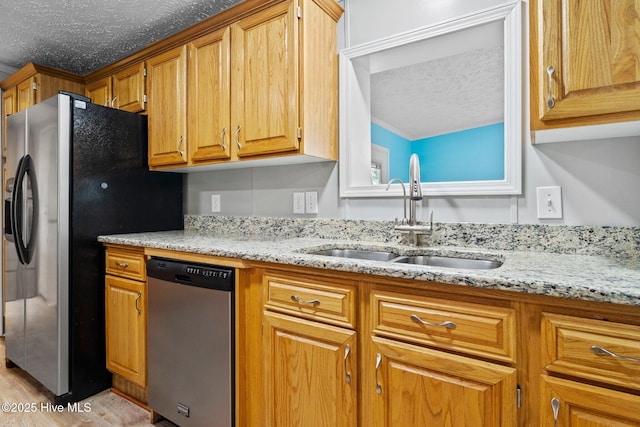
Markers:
point(465, 327)
point(126, 263)
point(596, 350)
point(330, 301)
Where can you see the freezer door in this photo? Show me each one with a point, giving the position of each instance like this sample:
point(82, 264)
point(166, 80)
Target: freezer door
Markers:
point(46, 293)
point(14, 306)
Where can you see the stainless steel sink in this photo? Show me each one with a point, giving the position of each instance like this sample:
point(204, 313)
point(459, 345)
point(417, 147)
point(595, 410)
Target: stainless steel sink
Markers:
point(357, 254)
point(449, 262)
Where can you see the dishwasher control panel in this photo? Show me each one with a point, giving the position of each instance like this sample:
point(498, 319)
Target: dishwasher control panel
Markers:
point(208, 272)
point(192, 274)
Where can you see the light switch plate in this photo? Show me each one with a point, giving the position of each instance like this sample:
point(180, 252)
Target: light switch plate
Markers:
point(311, 202)
point(549, 202)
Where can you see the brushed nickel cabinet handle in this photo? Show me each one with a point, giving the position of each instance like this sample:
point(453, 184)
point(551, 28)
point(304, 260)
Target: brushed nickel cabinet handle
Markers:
point(180, 146)
point(601, 351)
point(555, 406)
point(113, 102)
point(550, 101)
point(295, 298)
point(224, 130)
point(238, 138)
point(378, 361)
point(347, 375)
point(122, 264)
point(448, 324)
point(137, 300)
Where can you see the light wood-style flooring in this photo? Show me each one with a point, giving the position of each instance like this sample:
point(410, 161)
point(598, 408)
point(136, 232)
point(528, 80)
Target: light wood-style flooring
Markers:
point(18, 389)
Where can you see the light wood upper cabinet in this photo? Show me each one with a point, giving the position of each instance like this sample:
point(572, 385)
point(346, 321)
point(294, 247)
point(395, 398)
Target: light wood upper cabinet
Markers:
point(265, 81)
point(34, 83)
point(124, 90)
point(263, 87)
point(167, 107)
point(26, 92)
point(208, 97)
point(100, 92)
point(284, 80)
point(128, 89)
point(9, 106)
point(593, 48)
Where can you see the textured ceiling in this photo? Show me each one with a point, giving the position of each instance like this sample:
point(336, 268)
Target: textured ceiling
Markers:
point(444, 95)
point(82, 36)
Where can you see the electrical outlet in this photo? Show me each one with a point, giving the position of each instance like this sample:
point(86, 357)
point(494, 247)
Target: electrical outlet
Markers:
point(549, 202)
point(298, 202)
point(215, 203)
point(311, 202)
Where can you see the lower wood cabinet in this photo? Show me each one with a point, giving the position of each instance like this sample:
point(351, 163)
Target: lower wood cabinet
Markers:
point(310, 374)
point(126, 328)
point(418, 386)
point(602, 360)
point(573, 404)
point(126, 319)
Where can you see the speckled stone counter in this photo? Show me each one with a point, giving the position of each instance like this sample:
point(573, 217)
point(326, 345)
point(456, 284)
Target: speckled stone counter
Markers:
point(590, 263)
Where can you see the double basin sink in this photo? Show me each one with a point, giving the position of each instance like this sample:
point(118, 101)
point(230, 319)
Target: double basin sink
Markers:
point(428, 260)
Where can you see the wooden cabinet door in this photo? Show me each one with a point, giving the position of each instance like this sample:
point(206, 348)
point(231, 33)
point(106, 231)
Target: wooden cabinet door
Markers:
point(593, 47)
point(126, 314)
point(128, 89)
point(582, 405)
point(412, 386)
point(9, 105)
point(167, 107)
point(99, 92)
point(307, 366)
point(26, 93)
point(209, 108)
point(264, 112)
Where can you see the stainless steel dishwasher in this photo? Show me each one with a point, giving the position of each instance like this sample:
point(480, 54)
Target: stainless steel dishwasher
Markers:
point(190, 347)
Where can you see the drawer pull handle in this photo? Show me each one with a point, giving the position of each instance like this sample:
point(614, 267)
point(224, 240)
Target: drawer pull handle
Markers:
point(347, 375)
point(378, 361)
point(448, 324)
point(122, 264)
point(137, 300)
point(555, 406)
point(295, 298)
point(601, 351)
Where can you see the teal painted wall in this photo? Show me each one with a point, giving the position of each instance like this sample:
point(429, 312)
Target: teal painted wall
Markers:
point(469, 155)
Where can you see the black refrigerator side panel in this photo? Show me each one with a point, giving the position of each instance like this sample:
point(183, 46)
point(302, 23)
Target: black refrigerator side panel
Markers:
point(112, 191)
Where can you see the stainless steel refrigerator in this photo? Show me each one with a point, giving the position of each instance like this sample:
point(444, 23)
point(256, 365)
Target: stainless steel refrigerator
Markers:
point(74, 170)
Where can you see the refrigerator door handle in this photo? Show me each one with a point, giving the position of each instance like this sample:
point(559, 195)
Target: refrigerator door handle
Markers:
point(25, 252)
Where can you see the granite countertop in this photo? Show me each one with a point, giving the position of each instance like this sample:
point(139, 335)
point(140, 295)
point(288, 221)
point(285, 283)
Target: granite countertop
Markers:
point(589, 277)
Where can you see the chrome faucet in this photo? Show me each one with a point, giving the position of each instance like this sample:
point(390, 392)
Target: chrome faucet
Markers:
point(411, 225)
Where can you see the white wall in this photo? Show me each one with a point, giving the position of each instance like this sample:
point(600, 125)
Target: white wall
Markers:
point(600, 180)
